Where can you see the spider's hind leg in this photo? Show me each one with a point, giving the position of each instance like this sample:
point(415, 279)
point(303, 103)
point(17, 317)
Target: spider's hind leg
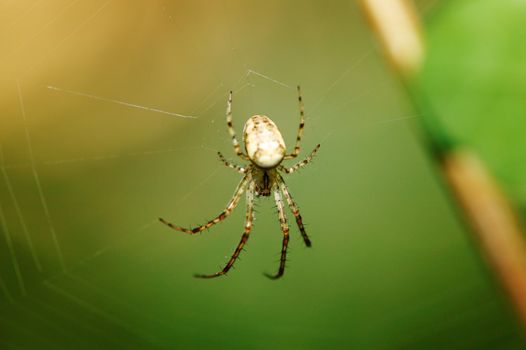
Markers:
point(229, 208)
point(295, 211)
point(285, 230)
point(248, 227)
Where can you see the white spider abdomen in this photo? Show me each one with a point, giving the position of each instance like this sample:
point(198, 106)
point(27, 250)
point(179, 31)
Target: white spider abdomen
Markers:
point(263, 142)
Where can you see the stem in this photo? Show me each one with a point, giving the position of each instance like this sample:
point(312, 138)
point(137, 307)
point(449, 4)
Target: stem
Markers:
point(398, 28)
point(493, 222)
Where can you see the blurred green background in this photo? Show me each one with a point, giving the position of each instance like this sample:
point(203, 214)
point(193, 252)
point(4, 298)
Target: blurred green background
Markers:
point(84, 262)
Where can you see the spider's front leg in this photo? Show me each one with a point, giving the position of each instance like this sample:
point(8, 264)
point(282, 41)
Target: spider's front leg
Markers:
point(285, 230)
point(229, 208)
point(231, 131)
point(301, 164)
point(239, 169)
point(248, 227)
point(296, 151)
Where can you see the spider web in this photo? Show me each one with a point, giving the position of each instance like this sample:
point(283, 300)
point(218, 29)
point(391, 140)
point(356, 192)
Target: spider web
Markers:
point(97, 145)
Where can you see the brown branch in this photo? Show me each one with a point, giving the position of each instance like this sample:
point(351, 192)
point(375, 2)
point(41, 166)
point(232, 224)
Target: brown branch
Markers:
point(398, 28)
point(493, 221)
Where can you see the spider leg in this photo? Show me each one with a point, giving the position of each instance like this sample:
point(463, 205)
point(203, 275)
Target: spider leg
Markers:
point(296, 151)
point(229, 208)
point(295, 210)
point(248, 227)
point(235, 143)
point(301, 164)
point(236, 167)
point(285, 230)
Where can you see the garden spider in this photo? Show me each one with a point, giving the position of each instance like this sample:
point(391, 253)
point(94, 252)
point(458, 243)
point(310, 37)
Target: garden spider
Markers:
point(265, 150)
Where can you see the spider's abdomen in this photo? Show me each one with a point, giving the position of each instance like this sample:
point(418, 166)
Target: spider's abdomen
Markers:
point(263, 142)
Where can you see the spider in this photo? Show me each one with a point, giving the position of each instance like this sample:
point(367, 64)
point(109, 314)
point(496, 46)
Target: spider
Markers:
point(265, 150)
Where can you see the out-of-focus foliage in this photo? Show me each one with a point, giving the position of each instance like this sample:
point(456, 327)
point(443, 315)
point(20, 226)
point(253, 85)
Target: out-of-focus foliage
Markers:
point(475, 81)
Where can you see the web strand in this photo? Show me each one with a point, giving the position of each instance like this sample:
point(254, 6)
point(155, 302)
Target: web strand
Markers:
point(353, 66)
point(36, 177)
point(42, 29)
point(261, 75)
point(12, 253)
point(18, 211)
point(6, 291)
point(66, 38)
point(87, 306)
point(23, 15)
point(127, 104)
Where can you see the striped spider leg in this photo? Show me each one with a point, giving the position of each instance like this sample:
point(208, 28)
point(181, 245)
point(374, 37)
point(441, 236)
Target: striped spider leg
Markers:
point(301, 164)
point(231, 131)
point(296, 151)
point(248, 227)
point(265, 151)
point(285, 230)
point(224, 214)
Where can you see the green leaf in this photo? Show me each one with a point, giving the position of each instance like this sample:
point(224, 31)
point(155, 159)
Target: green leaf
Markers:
point(474, 81)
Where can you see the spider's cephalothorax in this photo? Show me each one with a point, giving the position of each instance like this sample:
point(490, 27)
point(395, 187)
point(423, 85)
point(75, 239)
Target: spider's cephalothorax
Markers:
point(263, 180)
point(265, 150)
